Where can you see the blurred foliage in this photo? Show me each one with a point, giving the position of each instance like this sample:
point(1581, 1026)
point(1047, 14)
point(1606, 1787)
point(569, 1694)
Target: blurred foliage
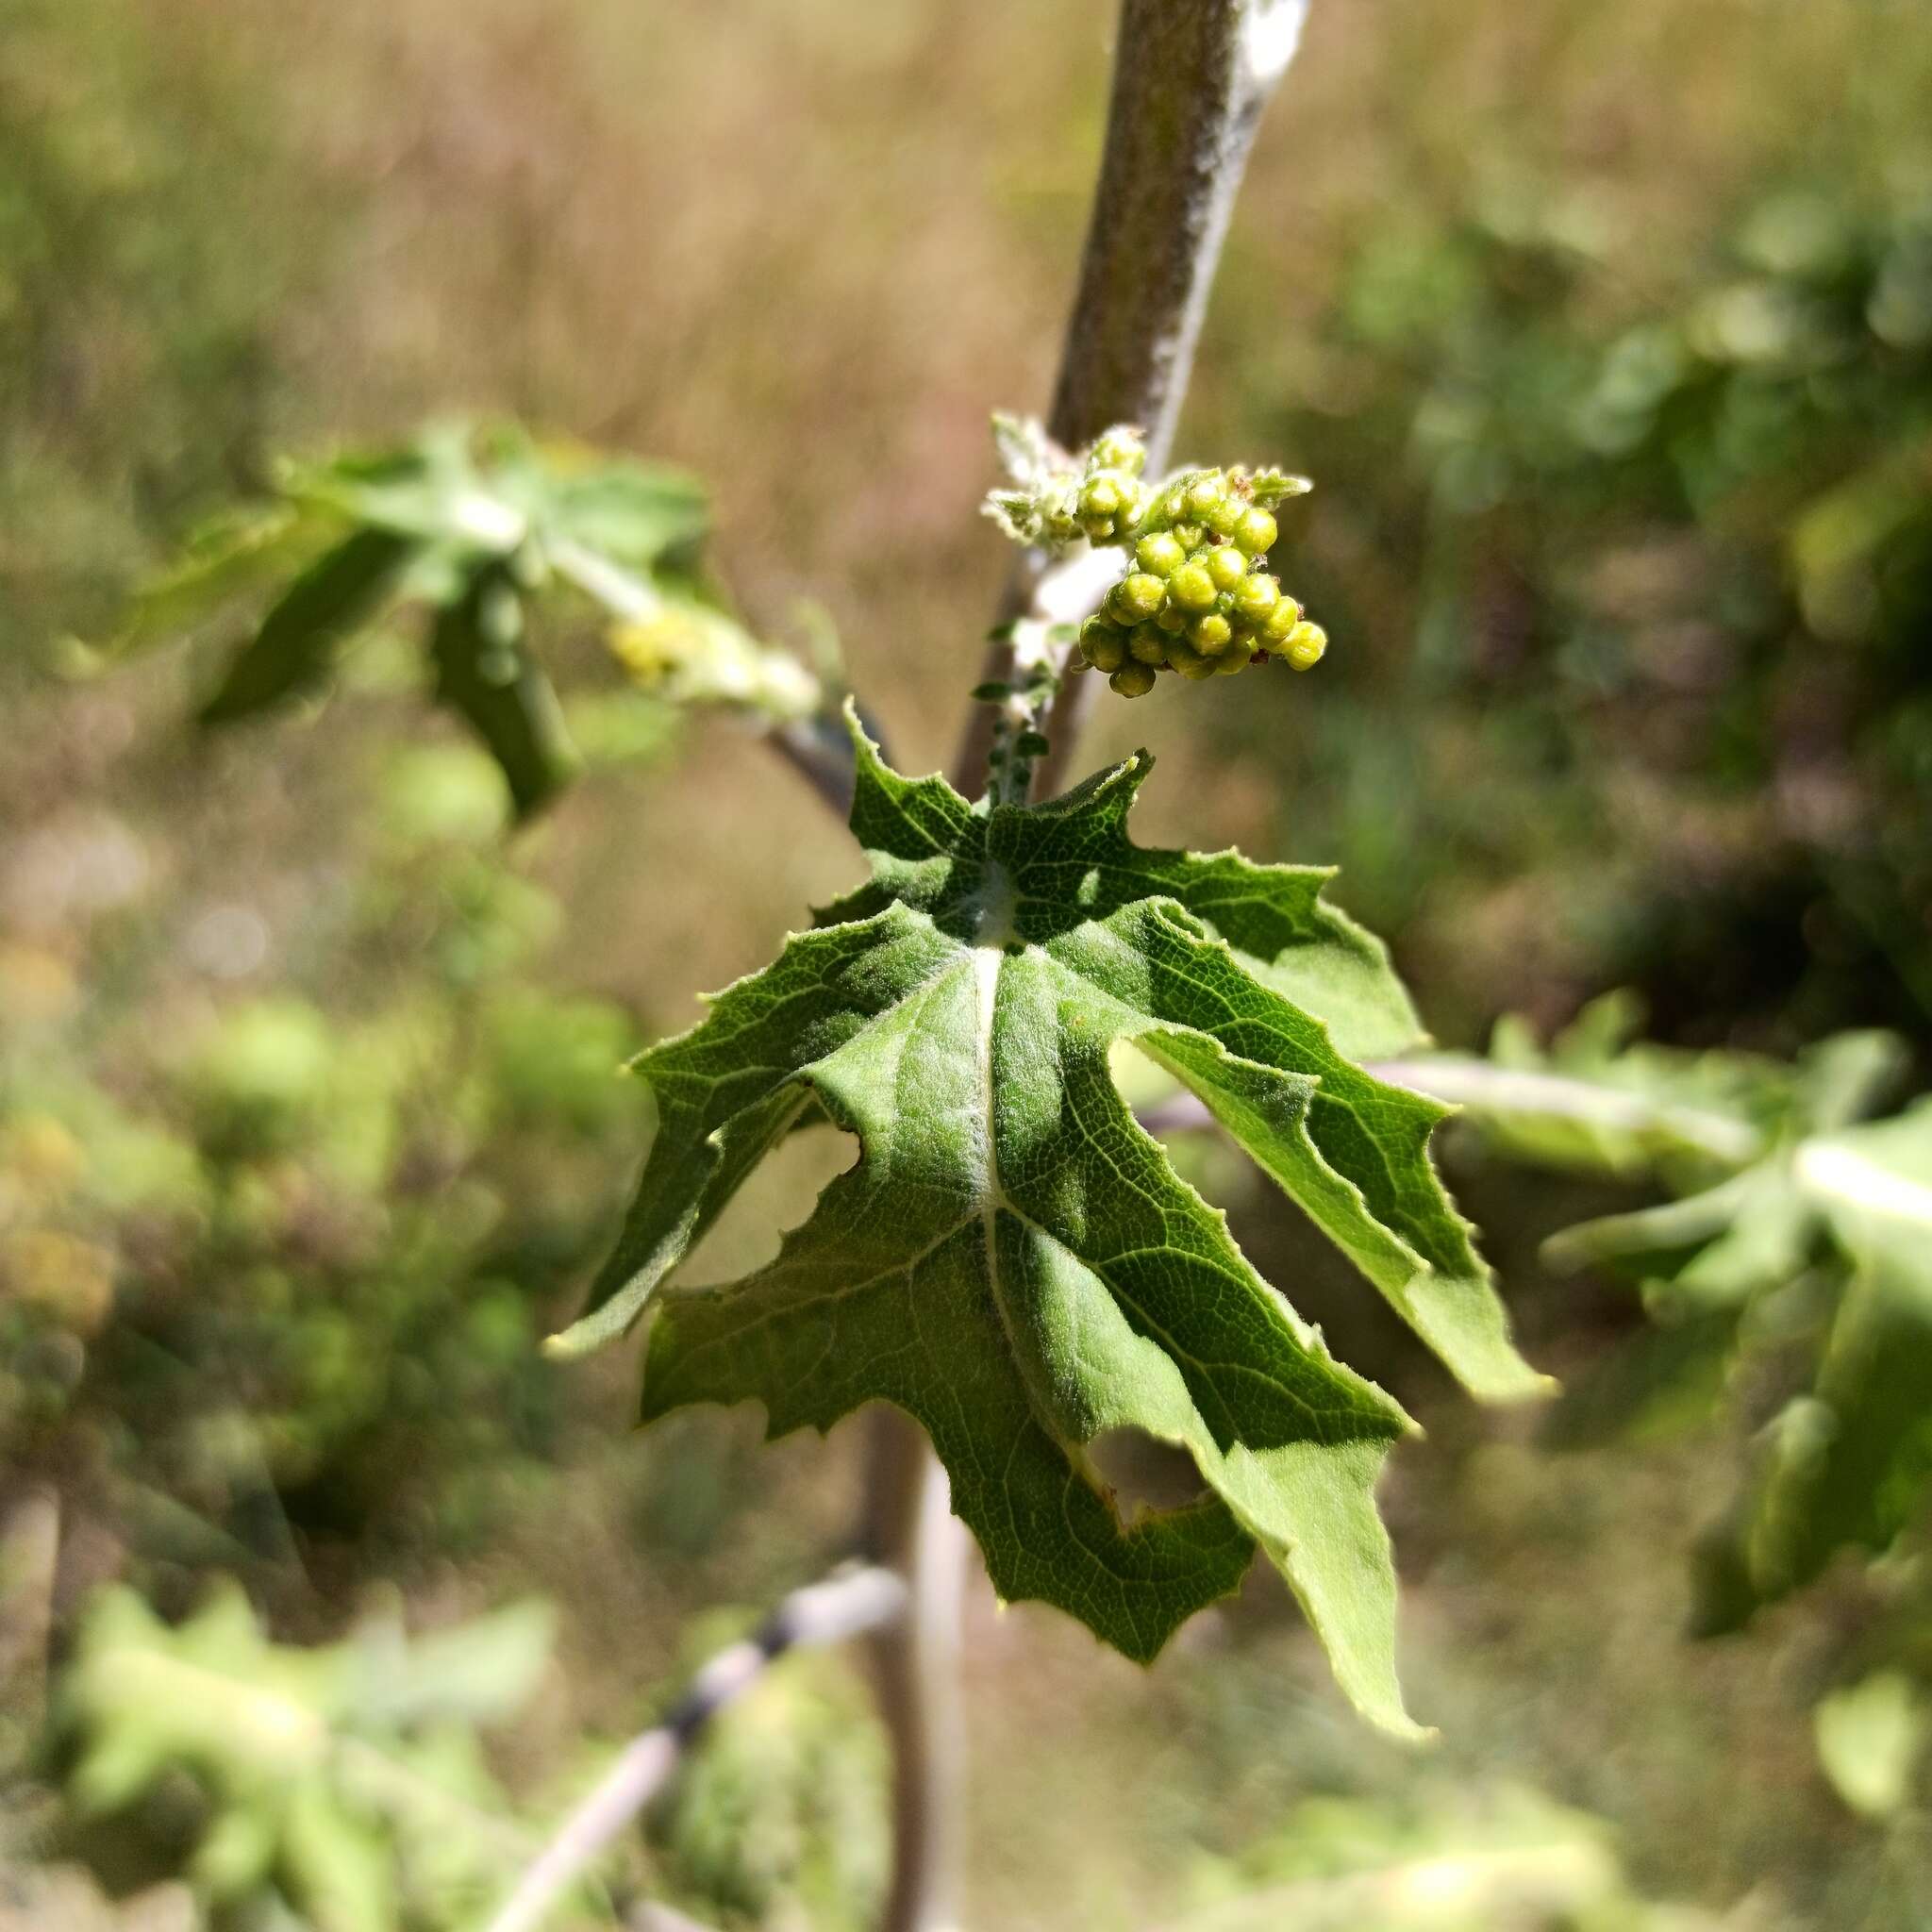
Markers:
point(1870, 1738)
point(141, 271)
point(1670, 600)
point(778, 1820)
point(273, 1266)
point(1800, 1266)
point(476, 526)
point(1788, 1283)
point(1509, 1861)
point(340, 1788)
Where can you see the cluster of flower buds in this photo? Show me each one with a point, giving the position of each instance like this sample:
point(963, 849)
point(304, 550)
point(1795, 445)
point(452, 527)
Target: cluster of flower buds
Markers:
point(1112, 499)
point(1196, 597)
point(1056, 499)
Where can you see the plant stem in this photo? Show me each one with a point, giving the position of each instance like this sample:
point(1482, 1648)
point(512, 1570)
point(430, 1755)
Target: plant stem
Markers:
point(1503, 1093)
point(909, 1526)
point(1191, 80)
point(841, 1607)
point(815, 747)
point(1484, 1088)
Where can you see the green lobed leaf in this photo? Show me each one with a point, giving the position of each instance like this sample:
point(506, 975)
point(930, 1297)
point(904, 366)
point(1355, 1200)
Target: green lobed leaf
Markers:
point(298, 639)
point(930, 849)
point(1013, 1260)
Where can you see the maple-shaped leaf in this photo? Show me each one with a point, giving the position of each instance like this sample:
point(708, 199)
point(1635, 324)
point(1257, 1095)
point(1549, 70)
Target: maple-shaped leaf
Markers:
point(1013, 1259)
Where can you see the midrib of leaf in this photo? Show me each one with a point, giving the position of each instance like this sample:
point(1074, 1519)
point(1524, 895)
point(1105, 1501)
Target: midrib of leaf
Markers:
point(987, 964)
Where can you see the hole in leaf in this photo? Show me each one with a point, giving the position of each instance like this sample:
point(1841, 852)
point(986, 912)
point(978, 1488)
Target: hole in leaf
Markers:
point(777, 1195)
point(1144, 1472)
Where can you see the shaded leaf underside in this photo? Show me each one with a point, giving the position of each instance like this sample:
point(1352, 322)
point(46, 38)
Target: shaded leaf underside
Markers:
point(1013, 1259)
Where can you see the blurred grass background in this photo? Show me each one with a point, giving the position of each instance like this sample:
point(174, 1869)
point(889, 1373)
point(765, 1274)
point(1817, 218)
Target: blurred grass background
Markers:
point(1573, 315)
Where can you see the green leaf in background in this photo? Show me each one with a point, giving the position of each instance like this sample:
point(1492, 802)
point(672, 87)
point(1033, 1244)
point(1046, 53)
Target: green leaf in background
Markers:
point(1756, 1228)
point(1806, 1196)
point(479, 527)
point(490, 491)
point(1599, 1101)
point(344, 1779)
point(485, 672)
point(232, 557)
point(298, 639)
point(1847, 1464)
point(637, 514)
point(1013, 1260)
point(1870, 1737)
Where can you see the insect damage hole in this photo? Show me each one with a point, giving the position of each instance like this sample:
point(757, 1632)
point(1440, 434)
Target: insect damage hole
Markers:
point(1143, 1473)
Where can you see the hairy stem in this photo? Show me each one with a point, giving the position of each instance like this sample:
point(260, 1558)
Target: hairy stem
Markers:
point(842, 1605)
point(1060, 596)
point(1191, 80)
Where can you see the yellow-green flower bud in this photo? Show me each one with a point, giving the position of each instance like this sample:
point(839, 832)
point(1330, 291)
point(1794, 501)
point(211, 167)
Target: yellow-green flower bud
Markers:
point(1191, 588)
point(1226, 566)
point(1210, 635)
point(1206, 494)
point(1160, 554)
point(1189, 536)
point(1172, 618)
point(1305, 646)
point(1099, 498)
point(1225, 517)
point(1147, 644)
point(1133, 680)
point(1255, 532)
point(1255, 597)
point(1137, 595)
point(1280, 622)
point(1104, 645)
